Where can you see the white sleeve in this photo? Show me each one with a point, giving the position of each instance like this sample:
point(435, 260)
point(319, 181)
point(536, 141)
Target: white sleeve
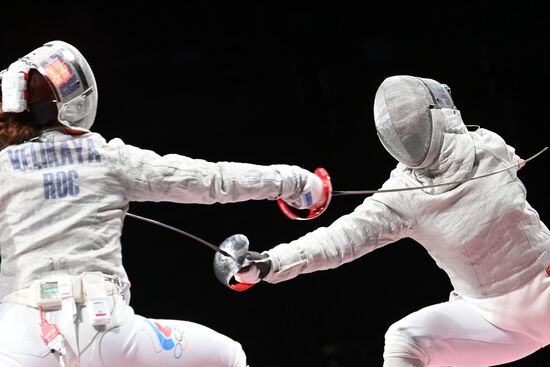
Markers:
point(177, 178)
point(370, 226)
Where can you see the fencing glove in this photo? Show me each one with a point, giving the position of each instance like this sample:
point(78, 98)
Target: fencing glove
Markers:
point(255, 267)
point(312, 195)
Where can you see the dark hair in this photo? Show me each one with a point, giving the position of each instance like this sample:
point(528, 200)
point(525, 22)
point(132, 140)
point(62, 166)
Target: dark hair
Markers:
point(16, 128)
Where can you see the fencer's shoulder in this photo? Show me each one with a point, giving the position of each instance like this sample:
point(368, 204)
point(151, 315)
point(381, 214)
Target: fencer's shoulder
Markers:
point(103, 144)
point(128, 150)
point(395, 202)
point(487, 135)
point(118, 144)
point(118, 148)
point(489, 144)
point(401, 176)
point(96, 136)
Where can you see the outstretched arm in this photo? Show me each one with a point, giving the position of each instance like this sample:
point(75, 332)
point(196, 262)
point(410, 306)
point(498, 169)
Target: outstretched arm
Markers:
point(370, 226)
point(177, 178)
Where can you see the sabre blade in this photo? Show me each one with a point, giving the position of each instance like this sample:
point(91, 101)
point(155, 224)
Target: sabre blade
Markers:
point(364, 192)
point(187, 234)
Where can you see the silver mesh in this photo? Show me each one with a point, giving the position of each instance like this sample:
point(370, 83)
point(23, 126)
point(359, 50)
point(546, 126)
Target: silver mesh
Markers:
point(404, 122)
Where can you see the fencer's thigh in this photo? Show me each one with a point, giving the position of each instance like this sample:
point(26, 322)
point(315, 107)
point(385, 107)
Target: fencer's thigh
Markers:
point(453, 334)
point(143, 342)
point(130, 340)
point(20, 341)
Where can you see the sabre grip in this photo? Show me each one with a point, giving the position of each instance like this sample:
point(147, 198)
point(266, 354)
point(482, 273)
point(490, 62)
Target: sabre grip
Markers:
point(255, 267)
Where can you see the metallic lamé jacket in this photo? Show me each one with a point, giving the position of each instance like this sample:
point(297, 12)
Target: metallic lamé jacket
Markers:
point(63, 199)
point(482, 233)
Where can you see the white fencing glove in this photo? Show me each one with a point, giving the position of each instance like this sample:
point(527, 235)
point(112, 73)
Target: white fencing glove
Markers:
point(255, 267)
point(520, 161)
point(312, 196)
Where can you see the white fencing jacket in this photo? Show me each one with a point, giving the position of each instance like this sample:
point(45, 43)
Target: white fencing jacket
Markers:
point(482, 233)
point(63, 199)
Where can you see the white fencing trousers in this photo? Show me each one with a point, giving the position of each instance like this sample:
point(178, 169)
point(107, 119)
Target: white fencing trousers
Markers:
point(453, 334)
point(474, 332)
point(129, 340)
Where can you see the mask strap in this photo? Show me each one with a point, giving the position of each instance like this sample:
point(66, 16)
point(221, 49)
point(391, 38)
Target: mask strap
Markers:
point(38, 113)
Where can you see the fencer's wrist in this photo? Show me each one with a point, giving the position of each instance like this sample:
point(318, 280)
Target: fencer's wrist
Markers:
point(255, 267)
point(312, 194)
point(317, 191)
point(519, 161)
point(264, 265)
point(251, 276)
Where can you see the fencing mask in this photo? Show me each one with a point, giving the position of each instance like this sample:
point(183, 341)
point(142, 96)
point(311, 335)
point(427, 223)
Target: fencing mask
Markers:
point(68, 74)
point(408, 118)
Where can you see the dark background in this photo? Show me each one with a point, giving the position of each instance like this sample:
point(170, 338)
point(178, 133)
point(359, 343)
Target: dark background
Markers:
point(293, 83)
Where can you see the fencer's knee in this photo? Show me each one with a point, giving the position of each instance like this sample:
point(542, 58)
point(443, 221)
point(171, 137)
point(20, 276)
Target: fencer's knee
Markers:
point(240, 360)
point(401, 343)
